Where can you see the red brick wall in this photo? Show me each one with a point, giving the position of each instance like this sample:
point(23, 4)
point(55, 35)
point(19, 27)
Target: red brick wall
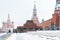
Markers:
point(45, 23)
point(56, 17)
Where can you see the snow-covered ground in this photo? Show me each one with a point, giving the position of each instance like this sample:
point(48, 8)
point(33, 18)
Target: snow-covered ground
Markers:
point(12, 37)
point(2, 34)
point(37, 35)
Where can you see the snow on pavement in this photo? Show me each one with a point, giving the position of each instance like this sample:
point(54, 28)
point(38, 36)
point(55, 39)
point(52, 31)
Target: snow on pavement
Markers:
point(12, 37)
point(2, 34)
point(39, 35)
point(26, 36)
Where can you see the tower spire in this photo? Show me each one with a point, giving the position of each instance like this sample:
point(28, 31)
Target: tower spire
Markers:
point(34, 17)
point(8, 16)
point(57, 7)
point(34, 11)
point(8, 20)
point(35, 4)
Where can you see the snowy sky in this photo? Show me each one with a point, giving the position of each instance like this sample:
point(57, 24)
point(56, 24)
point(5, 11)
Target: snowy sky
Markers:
point(21, 10)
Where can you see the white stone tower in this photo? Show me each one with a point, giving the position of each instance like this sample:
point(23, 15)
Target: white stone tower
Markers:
point(34, 17)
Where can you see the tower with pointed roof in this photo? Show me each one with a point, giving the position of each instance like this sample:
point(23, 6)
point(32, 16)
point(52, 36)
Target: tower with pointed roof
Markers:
point(8, 26)
point(34, 17)
point(56, 15)
point(57, 5)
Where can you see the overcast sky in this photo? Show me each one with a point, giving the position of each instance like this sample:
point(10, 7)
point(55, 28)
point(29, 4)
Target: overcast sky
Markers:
point(21, 10)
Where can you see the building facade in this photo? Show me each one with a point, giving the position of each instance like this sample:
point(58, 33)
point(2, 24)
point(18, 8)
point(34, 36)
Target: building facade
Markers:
point(8, 26)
